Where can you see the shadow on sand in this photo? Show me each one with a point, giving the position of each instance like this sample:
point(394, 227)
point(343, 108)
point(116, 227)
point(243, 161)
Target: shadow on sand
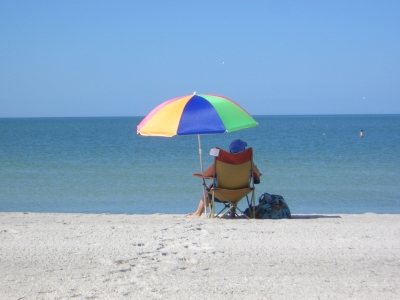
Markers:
point(299, 217)
point(315, 217)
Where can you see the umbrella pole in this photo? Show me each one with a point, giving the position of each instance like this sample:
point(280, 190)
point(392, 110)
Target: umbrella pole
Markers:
point(202, 173)
point(200, 154)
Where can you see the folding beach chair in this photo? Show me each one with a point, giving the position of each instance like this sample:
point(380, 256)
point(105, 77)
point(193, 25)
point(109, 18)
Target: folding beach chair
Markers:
point(232, 181)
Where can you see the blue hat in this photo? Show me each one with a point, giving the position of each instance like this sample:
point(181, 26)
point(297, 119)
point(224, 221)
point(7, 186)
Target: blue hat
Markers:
point(237, 146)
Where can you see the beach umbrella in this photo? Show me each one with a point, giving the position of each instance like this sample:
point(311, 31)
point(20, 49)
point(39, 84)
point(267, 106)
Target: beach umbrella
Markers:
point(195, 114)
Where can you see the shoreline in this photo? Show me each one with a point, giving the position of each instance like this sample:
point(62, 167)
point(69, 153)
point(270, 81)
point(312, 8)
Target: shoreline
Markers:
point(99, 256)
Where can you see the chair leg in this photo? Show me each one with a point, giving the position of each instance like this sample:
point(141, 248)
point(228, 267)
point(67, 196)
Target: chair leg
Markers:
point(232, 209)
point(243, 213)
point(222, 210)
point(254, 205)
point(212, 209)
point(205, 198)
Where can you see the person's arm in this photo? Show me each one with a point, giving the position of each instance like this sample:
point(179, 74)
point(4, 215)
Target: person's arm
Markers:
point(209, 172)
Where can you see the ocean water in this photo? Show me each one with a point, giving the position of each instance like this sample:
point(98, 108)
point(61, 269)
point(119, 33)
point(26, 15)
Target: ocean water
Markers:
point(319, 164)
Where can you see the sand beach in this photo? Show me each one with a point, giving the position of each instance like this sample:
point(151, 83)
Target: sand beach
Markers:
point(159, 256)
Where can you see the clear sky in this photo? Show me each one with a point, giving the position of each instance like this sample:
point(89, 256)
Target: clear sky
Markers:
point(123, 58)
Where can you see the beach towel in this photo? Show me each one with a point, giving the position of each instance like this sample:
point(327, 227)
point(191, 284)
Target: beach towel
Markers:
point(271, 207)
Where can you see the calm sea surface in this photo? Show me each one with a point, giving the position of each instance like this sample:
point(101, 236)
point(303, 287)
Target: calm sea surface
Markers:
point(319, 164)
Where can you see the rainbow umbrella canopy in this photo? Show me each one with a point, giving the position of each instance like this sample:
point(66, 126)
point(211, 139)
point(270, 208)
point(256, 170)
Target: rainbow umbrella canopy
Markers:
point(195, 114)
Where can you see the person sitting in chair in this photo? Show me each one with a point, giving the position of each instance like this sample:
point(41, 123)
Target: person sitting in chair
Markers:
point(236, 146)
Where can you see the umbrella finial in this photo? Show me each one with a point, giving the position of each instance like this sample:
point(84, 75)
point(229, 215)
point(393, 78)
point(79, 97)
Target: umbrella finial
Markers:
point(194, 93)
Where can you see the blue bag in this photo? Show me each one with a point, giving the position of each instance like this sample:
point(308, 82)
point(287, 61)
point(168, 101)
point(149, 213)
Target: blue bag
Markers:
point(271, 207)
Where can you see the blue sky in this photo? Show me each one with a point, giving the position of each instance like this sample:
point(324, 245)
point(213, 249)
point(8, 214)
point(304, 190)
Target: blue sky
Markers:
point(123, 58)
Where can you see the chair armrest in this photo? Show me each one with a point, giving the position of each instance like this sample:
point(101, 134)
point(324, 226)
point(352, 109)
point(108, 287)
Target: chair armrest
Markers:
point(201, 176)
point(256, 178)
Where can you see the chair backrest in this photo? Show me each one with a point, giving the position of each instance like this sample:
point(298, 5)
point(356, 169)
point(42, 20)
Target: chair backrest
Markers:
point(233, 170)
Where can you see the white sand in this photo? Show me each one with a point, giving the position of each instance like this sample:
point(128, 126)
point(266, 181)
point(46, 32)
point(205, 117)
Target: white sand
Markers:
point(83, 256)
